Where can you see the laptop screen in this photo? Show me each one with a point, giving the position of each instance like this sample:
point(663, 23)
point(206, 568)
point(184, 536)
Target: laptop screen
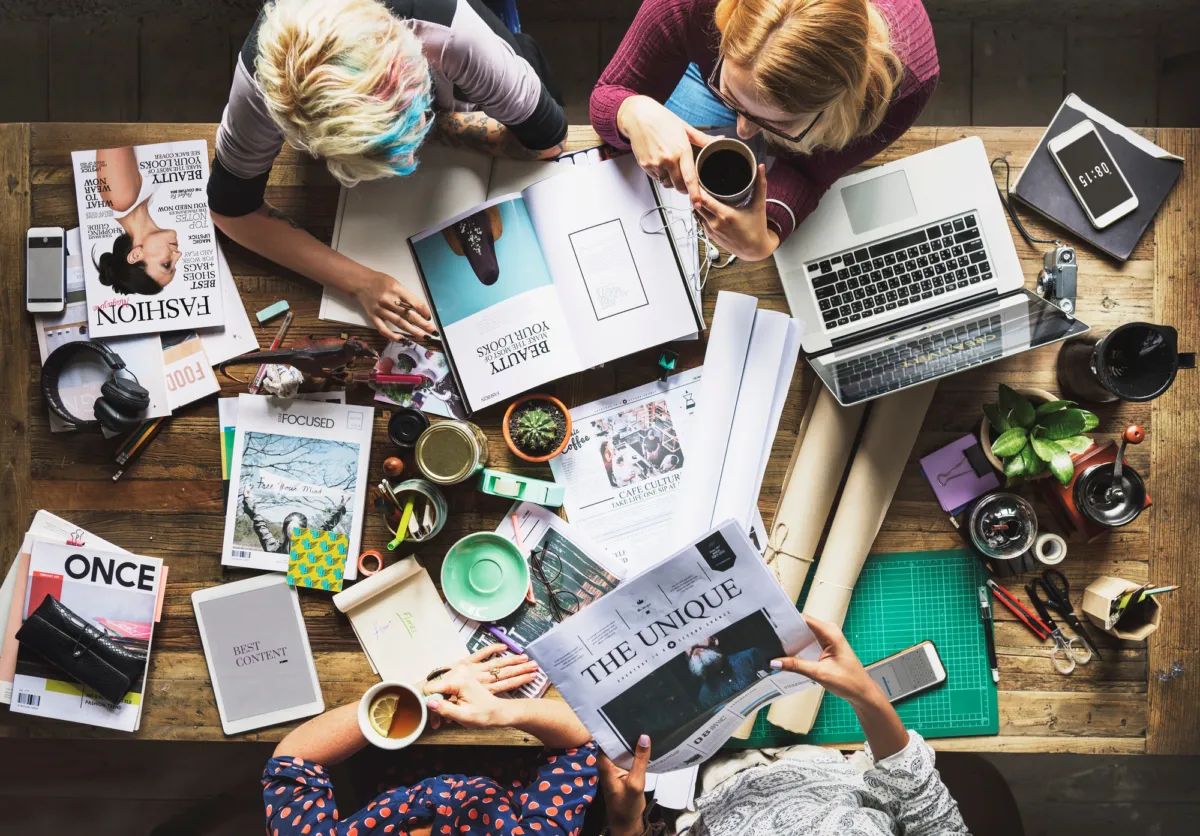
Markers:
point(992, 330)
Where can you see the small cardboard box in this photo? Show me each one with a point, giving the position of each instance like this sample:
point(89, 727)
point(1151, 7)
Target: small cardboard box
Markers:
point(1136, 623)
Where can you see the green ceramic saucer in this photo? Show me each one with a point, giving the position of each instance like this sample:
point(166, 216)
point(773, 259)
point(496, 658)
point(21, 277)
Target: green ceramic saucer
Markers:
point(484, 576)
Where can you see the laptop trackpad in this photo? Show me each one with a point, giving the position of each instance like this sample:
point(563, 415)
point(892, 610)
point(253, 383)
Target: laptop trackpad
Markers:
point(882, 200)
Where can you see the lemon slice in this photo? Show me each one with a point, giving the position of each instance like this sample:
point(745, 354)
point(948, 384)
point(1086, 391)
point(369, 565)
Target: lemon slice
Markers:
point(382, 711)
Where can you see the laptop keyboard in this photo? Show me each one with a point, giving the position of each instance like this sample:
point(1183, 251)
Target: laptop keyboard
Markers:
point(899, 271)
point(919, 359)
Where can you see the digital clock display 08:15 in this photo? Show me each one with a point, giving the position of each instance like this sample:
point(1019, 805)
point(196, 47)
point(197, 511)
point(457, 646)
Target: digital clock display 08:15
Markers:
point(1094, 173)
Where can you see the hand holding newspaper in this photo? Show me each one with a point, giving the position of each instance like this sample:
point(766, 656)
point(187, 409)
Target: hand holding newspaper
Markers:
point(681, 652)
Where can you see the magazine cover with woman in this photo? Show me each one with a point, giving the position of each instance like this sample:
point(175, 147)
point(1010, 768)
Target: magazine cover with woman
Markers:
point(149, 250)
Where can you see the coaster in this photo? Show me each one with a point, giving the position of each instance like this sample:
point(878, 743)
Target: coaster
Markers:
point(317, 559)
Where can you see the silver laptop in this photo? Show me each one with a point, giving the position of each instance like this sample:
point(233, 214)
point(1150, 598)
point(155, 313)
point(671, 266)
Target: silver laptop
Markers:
point(907, 273)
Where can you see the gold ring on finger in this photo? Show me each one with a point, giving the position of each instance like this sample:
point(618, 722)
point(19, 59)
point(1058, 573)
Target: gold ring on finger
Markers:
point(495, 672)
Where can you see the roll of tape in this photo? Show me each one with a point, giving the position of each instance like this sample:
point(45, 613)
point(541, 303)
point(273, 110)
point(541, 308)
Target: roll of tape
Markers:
point(370, 562)
point(1050, 549)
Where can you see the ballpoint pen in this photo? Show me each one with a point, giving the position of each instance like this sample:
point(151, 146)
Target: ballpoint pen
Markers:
point(985, 615)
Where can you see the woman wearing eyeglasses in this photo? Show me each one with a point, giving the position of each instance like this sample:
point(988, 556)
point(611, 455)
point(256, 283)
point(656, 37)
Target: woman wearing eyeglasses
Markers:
point(828, 83)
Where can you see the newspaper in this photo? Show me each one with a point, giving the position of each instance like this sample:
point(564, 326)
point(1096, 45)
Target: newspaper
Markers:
point(625, 465)
point(681, 652)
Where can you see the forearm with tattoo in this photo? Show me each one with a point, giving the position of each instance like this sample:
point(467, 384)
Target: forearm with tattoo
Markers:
point(480, 132)
point(279, 215)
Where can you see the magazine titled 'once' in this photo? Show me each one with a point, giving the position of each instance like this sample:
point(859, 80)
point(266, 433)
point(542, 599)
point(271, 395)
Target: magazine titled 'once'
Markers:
point(115, 592)
point(149, 250)
point(296, 464)
point(681, 652)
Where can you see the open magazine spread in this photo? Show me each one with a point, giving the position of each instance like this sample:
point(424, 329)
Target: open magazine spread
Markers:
point(296, 464)
point(531, 286)
point(577, 571)
point(115, 592)
point(681, 652)
point(149, 250)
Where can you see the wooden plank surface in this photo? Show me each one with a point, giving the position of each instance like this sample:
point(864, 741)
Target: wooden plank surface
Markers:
point(16, 334)
point(1175, 461)
point(170, 505)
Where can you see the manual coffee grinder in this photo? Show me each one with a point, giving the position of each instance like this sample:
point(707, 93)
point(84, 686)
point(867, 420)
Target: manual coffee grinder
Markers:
point(1104, 494)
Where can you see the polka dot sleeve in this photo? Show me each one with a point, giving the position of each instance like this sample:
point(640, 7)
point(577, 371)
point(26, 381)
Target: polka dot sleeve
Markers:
point(299, 799)
point(556, 799)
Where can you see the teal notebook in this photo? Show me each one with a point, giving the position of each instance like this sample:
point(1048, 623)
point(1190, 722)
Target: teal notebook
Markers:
point(900, 600)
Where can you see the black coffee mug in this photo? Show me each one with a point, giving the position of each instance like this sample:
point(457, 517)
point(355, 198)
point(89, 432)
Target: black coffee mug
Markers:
point(726, 168)
point(1136, 361)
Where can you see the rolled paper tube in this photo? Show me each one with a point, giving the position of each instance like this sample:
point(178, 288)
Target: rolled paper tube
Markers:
point(809, 488)
point(888, 438)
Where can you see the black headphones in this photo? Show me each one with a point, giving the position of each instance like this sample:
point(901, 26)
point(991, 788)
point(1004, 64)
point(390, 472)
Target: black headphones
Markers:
point(121, 399)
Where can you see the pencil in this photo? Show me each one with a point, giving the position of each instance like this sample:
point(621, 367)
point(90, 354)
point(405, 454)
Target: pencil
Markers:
point(275, 343)
point(128, 459)
point(130, 440)
point(137, 438)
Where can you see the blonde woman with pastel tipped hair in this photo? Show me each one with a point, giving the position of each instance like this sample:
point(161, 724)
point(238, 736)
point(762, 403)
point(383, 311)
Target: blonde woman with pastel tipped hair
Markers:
point(361, 84)
point(826, 83)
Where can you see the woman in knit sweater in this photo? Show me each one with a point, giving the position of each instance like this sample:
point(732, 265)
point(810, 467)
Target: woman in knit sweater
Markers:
point(828, 84)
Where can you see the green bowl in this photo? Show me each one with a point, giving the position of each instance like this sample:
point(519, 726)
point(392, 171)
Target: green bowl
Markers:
point(484, 576)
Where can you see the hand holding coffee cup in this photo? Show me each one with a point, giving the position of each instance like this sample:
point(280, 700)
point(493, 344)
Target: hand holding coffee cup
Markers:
point(726, 168)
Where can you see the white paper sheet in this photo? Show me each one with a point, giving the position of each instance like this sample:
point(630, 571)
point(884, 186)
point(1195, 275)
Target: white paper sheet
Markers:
point(237, 336)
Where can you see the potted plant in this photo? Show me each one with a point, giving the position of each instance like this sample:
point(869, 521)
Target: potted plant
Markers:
point(537, 427)
point(1029, 433)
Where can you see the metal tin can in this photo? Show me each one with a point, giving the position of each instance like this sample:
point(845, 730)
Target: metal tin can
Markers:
point(450, 452)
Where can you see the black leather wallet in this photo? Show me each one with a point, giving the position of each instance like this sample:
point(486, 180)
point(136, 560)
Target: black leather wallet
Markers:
point(81, 651)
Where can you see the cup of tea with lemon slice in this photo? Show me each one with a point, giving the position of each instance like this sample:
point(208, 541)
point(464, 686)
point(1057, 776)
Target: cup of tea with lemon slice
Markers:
point(392, 715)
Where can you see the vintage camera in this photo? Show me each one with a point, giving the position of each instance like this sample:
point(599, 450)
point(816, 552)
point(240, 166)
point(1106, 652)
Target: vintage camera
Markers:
point(1056, 282)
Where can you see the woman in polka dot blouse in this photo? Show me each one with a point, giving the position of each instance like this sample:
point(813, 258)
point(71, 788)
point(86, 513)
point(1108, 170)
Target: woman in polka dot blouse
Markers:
point(299, 797)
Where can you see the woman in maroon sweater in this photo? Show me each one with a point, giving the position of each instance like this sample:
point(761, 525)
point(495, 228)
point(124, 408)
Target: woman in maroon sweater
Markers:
point(829, 84)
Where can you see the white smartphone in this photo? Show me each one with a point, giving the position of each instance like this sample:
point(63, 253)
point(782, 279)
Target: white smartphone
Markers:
point(46, 269)
point(1092, 173)
point(909, 672)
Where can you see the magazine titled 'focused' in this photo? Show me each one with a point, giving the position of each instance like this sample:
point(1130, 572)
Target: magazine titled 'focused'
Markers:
point(296, 464)
point(149, 250)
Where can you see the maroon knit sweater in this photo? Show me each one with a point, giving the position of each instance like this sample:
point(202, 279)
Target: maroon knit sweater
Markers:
point(667, 35)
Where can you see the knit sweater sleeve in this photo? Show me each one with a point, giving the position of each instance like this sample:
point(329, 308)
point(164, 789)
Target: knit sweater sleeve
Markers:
point(651, 59)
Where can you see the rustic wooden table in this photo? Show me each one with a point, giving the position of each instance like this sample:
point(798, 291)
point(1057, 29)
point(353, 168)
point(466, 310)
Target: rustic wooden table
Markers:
point(170, 504)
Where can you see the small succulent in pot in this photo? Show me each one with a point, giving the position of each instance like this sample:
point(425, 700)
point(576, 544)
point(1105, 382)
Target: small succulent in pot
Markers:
point(537, 427)
point(1033, 439)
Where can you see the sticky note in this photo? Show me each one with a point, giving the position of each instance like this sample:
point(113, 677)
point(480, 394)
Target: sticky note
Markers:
point(317, 559)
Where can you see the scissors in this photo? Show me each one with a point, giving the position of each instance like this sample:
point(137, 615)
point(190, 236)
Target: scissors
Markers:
point(1057, 596)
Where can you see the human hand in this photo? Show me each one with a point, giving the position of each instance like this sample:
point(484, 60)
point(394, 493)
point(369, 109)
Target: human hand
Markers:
point(458, 696)
point(497, 674)
point(662, 144)
point(741, 231)
point(838, 669)
point(625, 791)
point(388, 303)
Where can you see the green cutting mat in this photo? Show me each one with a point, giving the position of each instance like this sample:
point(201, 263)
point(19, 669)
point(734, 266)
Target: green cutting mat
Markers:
point(900, 600)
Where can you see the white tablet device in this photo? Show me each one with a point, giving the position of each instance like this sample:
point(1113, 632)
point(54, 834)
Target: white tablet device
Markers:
point(257, 651)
